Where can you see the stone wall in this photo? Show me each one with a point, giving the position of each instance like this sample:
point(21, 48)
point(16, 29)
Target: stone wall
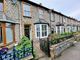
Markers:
point(57, 49)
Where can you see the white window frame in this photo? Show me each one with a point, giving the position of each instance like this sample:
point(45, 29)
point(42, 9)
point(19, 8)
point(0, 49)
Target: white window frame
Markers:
point(69, 28)
point(61, 29)
point(58, 29)
point(26, 9)
point(41, 31)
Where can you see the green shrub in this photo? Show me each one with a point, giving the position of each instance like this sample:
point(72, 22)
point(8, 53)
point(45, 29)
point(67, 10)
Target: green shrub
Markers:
point(60, 37)
point(24, 42)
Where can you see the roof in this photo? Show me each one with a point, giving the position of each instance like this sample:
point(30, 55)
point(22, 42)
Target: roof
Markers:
point(36, 4)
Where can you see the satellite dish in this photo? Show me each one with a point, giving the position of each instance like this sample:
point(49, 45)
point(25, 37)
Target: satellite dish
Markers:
point(14, 1)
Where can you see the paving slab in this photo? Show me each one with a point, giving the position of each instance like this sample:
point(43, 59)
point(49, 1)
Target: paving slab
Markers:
point(73, 53)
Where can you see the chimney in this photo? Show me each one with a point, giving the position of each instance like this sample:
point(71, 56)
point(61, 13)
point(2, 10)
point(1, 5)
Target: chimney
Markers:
point(41, 4)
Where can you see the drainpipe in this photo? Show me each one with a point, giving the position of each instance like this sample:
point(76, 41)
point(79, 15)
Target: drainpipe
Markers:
point(20, 18)
point(50, 20)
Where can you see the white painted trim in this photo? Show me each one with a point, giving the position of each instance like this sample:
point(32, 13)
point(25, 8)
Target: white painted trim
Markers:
point(41, 31)
point(56, 29)
point(60, 29)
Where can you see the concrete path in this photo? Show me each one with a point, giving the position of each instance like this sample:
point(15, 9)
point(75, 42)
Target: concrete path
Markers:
point(73, 53)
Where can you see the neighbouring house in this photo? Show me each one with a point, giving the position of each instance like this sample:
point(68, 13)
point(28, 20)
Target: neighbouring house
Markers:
point(24, 17)
point(35, 23)
point(9, 23)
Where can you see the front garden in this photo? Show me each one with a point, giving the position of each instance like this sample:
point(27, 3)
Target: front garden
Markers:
point(57, 38)
point(60, 42)
point(24, 49)
point(20, 51)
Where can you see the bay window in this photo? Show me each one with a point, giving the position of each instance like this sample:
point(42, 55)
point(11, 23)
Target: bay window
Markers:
point(41, 30)
point(44, 30)
point(61, 29)
point(69, 28)
point(38, 30)
point(58, 29)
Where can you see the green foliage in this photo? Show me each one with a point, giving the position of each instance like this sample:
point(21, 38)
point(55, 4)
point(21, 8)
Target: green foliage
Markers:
point(24, 42)
point(60, 37)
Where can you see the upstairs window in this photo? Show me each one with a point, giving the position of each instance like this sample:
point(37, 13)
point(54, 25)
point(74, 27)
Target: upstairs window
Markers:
point(52, 16)
point(26, 10)
point(41, 14)
point(1, 5)
point(64, 19)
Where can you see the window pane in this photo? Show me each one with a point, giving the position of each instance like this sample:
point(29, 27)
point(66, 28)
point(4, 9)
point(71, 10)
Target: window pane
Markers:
point(26, 13)
point(1, 6)
point(9, 35)
point(28, 7)
point(0, 34)
point(62, 29)
point(44, 30)
point(38, 30)
point(38, 34)
point(58, 29)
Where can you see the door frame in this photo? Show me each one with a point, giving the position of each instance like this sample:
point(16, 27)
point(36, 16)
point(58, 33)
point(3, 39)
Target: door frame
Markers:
point(30, 33)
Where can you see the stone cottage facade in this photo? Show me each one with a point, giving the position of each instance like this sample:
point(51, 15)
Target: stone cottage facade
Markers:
point(24, 17)
point(38, 21)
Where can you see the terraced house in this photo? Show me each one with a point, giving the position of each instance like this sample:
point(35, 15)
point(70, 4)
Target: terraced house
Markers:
point(9, 23)
point(24, 17)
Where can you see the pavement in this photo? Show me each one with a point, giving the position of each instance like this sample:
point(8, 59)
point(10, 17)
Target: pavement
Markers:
point(72, 53)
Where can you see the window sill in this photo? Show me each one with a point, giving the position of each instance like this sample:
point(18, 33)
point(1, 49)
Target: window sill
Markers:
point(27, 16)
point(10, 45)
point(52, 21)
point(1, 44)
point(42, 37)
